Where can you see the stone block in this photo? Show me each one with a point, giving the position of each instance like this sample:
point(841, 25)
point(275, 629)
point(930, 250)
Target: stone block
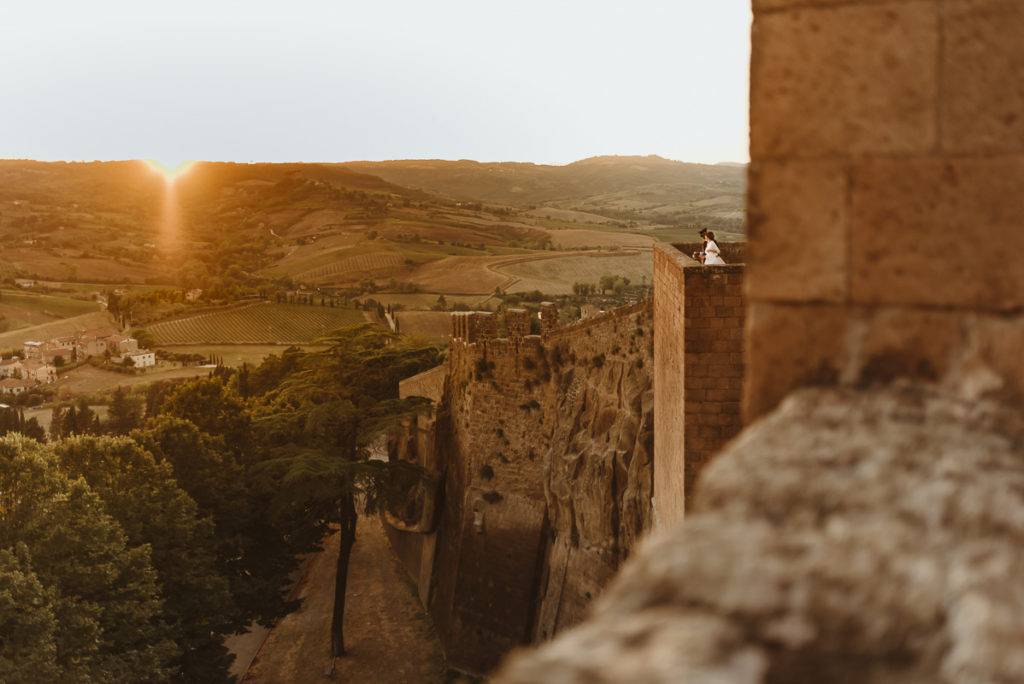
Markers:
point(850, 79)
point(789, 346)
point(891, 343)
point(798, 231)
point(982, 62)
point(938, 232)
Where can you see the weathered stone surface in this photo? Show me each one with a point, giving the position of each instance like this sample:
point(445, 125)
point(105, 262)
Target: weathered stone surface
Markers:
point(854, 536)
point(938, 232)
point(850, 79)
point(983, 58)
point(598, 465)
point(544, 446)
point(788, 203)
point(698, 355)
point(790, 346)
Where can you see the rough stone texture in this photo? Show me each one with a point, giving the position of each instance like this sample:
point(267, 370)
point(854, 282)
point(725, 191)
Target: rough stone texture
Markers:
point(598, 466)
point(849, 79)
point(790, 346)
point(886, 194)
point(669, 352)
point(698, 358)
point(545, 449)
point(935, 232)
point(788, 202)
point(970, 354)
point(855, 536)
point(983, 58)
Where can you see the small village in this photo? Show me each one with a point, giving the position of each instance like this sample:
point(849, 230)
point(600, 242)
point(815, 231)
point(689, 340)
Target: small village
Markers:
point(39, 361)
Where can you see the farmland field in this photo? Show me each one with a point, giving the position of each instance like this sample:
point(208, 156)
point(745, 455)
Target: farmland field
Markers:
point(261, 323)
point(26, 309)
point(58, 328)
point(424, 301)
point(432, 325)
point(557, 275)
point(236, 354)
point(349, 266)
point(576, 238)
point(91, 380)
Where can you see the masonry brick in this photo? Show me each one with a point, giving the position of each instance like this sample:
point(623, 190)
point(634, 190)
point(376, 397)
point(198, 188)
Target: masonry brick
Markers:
point(846, 79)
point(932, 232)
point(983, 44)
point(789, 346)
point(789, 201)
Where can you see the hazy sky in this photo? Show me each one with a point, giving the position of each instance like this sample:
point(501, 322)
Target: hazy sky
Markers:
point(304, 80)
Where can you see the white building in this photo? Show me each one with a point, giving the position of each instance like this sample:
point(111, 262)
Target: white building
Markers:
point(143, 358)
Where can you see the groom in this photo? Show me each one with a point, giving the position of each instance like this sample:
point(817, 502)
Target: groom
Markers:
point(699, 256)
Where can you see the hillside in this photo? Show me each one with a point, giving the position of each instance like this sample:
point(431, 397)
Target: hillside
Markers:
point(234, 229)
point(648, 188)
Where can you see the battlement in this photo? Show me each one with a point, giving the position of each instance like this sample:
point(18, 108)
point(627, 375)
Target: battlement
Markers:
point(699, 365)
point(477, 326)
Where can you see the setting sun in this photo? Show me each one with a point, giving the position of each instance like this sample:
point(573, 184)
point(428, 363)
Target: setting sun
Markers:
point(170, 170)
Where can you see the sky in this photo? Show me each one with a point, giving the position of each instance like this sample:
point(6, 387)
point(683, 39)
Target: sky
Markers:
point(548, 81)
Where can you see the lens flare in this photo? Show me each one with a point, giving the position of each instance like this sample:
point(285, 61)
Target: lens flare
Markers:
point(169, 170)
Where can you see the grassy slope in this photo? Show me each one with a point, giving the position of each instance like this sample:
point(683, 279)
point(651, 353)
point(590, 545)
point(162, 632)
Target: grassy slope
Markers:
point(67, 326)
point(261, 323)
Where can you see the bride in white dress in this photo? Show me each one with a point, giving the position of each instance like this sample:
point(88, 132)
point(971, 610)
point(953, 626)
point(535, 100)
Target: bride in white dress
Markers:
point(712, 253)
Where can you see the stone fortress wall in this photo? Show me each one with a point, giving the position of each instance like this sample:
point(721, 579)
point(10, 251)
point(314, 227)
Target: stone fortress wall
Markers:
point(699, 366)
point(868, 524)
point(885, 208)
point(545, 450)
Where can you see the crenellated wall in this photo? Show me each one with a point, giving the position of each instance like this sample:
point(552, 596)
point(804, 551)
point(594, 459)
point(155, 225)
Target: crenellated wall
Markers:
point(545, 446)
point(699, 367)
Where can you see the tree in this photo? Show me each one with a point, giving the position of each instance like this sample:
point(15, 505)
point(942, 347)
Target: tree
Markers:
point(319, 425)
point(214, 408)
point(147, 502)
point(28, 650)
point(125, 412)
point(252, 554)
point(106, 602)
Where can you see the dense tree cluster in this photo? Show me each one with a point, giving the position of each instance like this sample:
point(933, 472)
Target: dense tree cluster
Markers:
point(132, 545)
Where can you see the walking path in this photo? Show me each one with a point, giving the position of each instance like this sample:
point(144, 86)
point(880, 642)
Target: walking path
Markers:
point(388, 635)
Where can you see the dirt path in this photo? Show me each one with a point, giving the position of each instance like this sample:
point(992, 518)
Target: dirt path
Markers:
point(389, 637)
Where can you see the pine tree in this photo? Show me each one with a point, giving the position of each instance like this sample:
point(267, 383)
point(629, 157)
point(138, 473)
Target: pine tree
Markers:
point(125, 413)
point(320, 422)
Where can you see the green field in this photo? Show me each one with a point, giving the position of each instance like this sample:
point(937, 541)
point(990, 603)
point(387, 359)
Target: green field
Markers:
point(56, 328)
point(431, 325)
point(25, 309)
point(236, 354)
point(261, 323)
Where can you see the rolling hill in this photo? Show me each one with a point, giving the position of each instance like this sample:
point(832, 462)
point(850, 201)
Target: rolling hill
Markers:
point(231, 228)
point(648, 188)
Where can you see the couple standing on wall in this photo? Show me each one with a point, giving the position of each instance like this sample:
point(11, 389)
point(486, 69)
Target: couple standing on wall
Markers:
point(711, 255)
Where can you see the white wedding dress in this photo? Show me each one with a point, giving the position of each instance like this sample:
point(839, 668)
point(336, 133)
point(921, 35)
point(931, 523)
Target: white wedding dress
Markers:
point(713, 255)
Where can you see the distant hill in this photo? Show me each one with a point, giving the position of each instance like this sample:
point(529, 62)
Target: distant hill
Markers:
point(524, 184)
point(228, 227)
point(650, 189)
